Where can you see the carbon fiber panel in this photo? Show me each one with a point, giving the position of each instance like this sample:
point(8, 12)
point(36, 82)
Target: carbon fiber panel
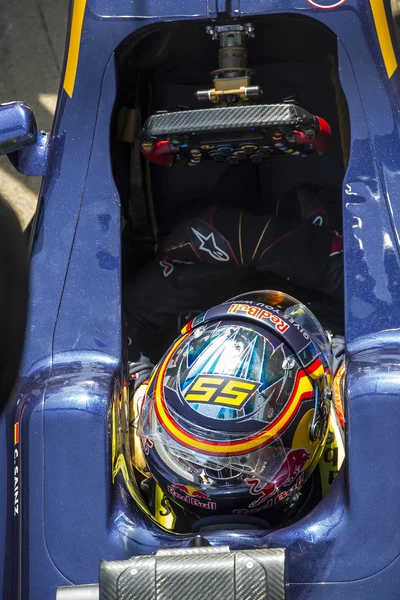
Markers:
point(138, 580)
point(229, 119)
point(196, 573)
point(196, 576)
point(113, 569)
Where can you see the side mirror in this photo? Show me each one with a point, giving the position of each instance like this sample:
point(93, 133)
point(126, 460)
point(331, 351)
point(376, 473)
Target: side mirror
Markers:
point(17, 126)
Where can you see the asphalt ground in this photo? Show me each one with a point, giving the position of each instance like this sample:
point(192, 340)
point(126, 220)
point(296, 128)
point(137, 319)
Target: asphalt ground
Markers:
point(32, 42)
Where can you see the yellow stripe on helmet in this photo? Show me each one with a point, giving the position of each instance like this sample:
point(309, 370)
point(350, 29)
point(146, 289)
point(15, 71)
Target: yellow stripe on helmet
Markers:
point(304, 386)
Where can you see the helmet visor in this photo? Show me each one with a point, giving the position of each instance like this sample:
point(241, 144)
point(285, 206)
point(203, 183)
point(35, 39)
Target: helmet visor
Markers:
point(200, 468)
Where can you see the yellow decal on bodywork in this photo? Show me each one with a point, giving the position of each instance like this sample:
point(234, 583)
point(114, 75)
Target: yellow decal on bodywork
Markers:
point(333, 455)
point(78, 12)
point(127, 458)
point(384, 37)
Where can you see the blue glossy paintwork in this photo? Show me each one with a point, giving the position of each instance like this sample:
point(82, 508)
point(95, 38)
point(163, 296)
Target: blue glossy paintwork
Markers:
point(32, 160)
point(17, 126)
point(69, 515)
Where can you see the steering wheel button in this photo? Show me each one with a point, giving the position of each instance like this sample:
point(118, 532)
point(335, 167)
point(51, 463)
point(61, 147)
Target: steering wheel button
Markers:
point(225, 150)
point(147, 145)
point(249, 147)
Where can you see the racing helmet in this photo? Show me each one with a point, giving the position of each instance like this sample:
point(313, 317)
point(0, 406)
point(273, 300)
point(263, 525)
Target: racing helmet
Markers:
point(235, 416)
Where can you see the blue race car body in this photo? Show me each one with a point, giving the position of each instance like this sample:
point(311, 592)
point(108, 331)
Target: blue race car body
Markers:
point(59, 511)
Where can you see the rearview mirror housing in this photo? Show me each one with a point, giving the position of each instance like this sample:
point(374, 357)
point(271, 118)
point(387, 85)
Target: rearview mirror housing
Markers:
point(17, 127)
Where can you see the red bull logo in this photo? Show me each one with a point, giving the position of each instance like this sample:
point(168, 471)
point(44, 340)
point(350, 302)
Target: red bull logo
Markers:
point(289, 474)
point(191, 495)
point(260, 314)
point(191, 491)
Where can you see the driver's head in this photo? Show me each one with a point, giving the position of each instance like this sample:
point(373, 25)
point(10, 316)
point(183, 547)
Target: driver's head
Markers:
point(235, 415)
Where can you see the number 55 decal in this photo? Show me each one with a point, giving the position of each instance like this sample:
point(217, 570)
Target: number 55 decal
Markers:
point(221, 389)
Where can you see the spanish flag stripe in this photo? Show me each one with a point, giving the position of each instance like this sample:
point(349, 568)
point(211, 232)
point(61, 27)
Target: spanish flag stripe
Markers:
point(316, 364)
point(303, 389)
point(219, 449)
point(316, 369)
point(16, 433)
point(187, 327)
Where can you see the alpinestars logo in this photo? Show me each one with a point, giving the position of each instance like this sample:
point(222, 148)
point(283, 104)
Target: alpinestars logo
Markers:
point(208, 244)
point(318, 221)
point(167, 267)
